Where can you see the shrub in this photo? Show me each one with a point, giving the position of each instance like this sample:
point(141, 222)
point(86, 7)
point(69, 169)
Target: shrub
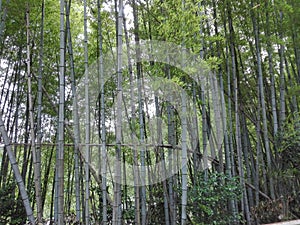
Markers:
point(209, 198)
point(12, 210)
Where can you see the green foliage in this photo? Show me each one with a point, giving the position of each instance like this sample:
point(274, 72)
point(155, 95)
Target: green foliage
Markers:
point(97, 197)
point(214, 62)
point(295, 90)
point(209, 198)
point(12, 210)
point(288, 143)
point(288, 147)
point(156, 205)
point(129, 214)
point(172, 21)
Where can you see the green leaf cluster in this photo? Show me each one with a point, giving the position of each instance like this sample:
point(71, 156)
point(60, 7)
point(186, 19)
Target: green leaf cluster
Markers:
point(11, 208)
point(209, 197)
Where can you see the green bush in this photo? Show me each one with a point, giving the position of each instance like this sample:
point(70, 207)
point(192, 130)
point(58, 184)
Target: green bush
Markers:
point(209, 198)
point(288, 145)
point(12, 210)
point(286, 172)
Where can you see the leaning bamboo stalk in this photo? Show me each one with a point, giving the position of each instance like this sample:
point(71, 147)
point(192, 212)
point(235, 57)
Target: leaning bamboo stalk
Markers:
point(16, 172)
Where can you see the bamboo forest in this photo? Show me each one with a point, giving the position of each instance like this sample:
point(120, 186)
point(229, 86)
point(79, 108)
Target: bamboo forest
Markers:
point(149, 112)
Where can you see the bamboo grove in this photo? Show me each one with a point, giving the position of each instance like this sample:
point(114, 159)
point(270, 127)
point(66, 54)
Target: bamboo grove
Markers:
point(84, 139)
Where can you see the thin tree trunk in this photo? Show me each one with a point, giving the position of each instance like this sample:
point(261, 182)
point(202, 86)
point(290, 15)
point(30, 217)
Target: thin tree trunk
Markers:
point(39, 110)
point(16, 172)
point(282, 76)
point(231, 55)
point(184, 159)
point(171, 141)
point(69, 185)
point(228, 169)
point(295, 39)
point(219, 96)
point(5, 160)
point(258, 152)
point(36, 164)
point(102, 119)
point(75, 115)
point(117, 205)
point(203, 99)
point(46, 177)
point(61, 117)
point(3, 19)
point(25, 150)
point(271, 72)
point(136, 173)
point(87, 119)
point(294, 107)
point(141, 113)
point(263, 104)
point(246, 148)
point(162, 157)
